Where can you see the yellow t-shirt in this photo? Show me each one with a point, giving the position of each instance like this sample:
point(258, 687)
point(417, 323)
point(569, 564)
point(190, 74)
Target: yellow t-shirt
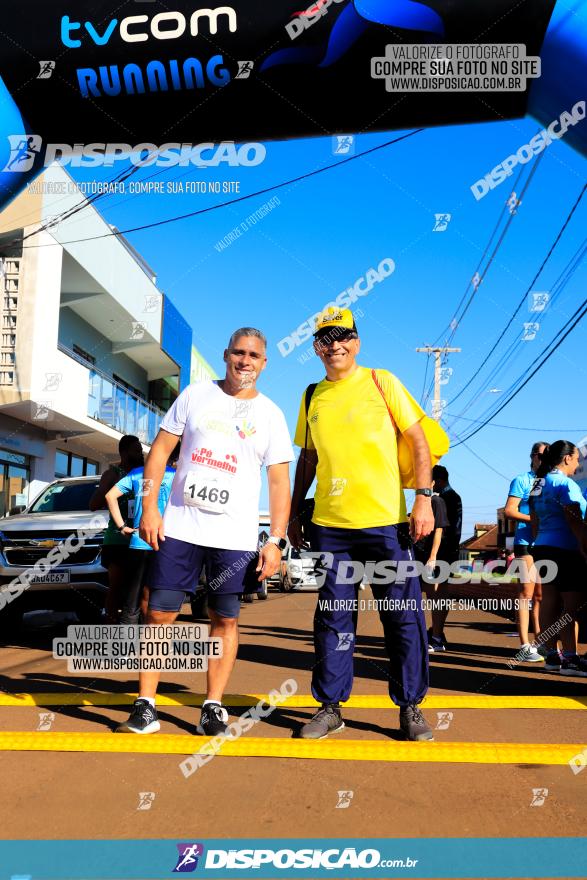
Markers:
point(359, 484)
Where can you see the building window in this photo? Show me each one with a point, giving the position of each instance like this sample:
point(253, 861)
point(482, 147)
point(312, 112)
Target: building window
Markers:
point(86, 356)
point(8, 358)
point(61, 464)
point(15, 474)
point(8, 321)
point(68, 464)
point(128, 386)
point(6, 377)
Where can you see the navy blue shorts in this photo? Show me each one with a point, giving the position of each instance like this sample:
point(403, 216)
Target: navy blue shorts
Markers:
point(177, 565)
point(223, 604)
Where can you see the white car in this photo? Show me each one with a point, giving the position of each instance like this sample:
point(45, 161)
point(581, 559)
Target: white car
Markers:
point(300, 570)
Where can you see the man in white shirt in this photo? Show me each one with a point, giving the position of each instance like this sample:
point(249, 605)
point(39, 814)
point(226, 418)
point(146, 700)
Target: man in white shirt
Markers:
point(228, 432)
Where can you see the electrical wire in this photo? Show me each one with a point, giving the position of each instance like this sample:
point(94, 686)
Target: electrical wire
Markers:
point(575, 318)
point(260, 192)
point(510, 354)
point(525, 294)
point(517, 427)
point(480, 263)
point(456, 320)
point(425, 377)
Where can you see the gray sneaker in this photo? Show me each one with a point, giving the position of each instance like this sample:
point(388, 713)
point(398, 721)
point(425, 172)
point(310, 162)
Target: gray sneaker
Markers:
point(327, 720)
point(413, 723)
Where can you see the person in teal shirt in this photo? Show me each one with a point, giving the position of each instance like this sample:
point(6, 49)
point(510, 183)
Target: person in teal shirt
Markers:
point(133, 485)
point(530, 590)
point(557, 508)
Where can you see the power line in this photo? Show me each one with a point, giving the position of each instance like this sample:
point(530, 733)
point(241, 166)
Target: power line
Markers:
point(259, 192)
point(424, 382)
point(486, 463)
point(479, 275)
point(525, 294)
point(545, 354)
point(495, 250)
point(582, 314)
point(479, 264)
point(518, 427)
point(508, 355)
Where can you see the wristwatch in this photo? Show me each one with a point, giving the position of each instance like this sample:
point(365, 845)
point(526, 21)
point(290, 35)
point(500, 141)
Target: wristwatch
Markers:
point(279, 542)
point(427, 492)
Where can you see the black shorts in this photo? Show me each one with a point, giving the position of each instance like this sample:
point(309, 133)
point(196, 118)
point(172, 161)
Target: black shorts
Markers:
point(571, 568)
point(521, 550)
point(115, 554)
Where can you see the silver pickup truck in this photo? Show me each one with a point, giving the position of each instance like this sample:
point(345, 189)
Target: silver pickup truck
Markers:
point(78, 583)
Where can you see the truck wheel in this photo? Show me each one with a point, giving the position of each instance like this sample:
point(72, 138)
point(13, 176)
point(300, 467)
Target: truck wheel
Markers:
point(199, 604)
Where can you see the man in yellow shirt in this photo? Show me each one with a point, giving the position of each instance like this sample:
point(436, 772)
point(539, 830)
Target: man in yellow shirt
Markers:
point(349, 442)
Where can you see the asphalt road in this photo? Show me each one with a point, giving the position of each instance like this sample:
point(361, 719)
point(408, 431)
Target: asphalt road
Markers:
point(54, 794)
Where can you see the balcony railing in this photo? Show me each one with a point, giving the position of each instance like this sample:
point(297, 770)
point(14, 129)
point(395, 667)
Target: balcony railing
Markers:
point(116, 406)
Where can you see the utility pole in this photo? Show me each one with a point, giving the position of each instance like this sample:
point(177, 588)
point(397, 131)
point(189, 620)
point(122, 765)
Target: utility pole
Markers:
point(437, 352)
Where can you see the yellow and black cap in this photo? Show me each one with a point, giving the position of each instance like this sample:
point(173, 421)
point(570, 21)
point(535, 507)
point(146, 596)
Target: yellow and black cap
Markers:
point(335, 324)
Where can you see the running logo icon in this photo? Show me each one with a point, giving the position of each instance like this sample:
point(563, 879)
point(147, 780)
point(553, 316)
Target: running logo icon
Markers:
point(345, 641)
point(444, 719)
point(46, 69)
point(344, 800)
point(187, 860)
point(24, 149)
point(338, 485)
point(245, 68)
point(441, 222)
point(343, 144)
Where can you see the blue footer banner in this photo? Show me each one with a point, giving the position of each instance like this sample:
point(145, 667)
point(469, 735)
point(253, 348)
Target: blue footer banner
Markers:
point(283, 858)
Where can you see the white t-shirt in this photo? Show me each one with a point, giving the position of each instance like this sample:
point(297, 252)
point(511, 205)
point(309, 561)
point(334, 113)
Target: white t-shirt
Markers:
point(226, 441)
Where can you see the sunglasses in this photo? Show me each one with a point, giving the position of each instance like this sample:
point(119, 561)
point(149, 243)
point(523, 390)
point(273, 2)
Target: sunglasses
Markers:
point(336, 336)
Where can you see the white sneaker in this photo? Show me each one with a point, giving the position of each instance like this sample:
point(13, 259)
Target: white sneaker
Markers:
point(529, 654)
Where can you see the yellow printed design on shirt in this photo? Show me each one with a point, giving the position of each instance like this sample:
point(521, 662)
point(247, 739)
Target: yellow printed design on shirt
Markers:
point(359, 484)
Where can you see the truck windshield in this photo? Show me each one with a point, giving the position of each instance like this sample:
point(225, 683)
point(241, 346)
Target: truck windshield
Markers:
point(62, 497)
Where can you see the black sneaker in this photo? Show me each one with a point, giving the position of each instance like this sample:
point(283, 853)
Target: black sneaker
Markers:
point(553, 661)
point(213, 720)
point(436, 644)
point(413, 723)
point(573, 666)
point(327, 720)
point(142, 719)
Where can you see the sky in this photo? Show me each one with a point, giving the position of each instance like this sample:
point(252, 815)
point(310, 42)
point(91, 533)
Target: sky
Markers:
point(328, 230)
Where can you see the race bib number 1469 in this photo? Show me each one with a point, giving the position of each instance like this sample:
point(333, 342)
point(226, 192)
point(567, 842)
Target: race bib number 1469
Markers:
point(205, 492)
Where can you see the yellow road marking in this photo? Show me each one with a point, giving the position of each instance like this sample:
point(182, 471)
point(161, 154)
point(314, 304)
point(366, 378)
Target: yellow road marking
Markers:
point(299, 701)
point(285, 747)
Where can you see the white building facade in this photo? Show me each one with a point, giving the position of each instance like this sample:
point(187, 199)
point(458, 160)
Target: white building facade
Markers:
point(83, 354)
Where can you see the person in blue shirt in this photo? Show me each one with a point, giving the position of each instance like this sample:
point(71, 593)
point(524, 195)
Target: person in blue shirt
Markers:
point(517, 509)
point(558, 508)
point(133, 484)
